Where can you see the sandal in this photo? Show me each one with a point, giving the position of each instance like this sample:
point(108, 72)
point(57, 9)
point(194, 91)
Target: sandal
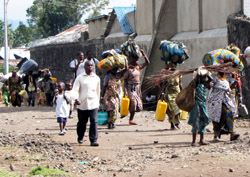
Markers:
point(132, 123)
point(234, 137)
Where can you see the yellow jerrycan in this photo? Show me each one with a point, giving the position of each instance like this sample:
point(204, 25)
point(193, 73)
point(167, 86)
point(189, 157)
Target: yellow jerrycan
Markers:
point(124, 106)
point(161, 110)
point(184, 115)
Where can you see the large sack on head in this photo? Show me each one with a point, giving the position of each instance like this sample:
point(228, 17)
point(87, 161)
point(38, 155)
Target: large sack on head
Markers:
point(131, 50)
point(112, 60)
point(173, 51)
point(107, 63)
point(185, 99)
point(29, 65)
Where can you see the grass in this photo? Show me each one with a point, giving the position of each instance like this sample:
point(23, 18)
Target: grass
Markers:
point(6, 148)
point(7, 173)
point(46, 172)
point(35, 157)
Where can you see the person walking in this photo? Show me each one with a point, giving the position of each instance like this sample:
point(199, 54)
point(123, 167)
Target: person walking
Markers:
point(62, 107)
point(222, 108)
point(170, 89)
point(31, 87)
point(76, 65)
point(198, 116)
point(87, 93)
point(95, 62)
point(132, 87)
point(15, 87)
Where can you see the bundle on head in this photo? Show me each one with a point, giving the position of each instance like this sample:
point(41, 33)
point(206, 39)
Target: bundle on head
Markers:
point(173, 51)
point(112, 60)
point(131, 50)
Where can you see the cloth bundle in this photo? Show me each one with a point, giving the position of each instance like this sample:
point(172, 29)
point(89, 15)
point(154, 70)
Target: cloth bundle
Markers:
point(131, 50)
point(220, 56)
point(173, 51)
point(113, 60)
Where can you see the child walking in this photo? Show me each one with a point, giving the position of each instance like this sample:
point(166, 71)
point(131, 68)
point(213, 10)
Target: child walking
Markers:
point(198, 116)
point(71, 103)
point(62, 107)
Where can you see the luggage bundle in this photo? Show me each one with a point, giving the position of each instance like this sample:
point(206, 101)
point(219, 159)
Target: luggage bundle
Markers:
point(131, 50)
point(112, 60)
point(173, 51)
point(26, 65)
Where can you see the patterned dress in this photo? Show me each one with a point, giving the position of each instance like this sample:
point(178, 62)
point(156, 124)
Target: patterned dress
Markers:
point(111, 96)
point(221, 106)
point(198, 116)
point(132, 77)
point(15, 88)
point(171, 91)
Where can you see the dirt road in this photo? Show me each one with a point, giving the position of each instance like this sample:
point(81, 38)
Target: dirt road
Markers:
point(29, 137)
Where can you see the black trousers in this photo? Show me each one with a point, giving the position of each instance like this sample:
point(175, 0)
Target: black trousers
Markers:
point(83, 116)
point(31, 98)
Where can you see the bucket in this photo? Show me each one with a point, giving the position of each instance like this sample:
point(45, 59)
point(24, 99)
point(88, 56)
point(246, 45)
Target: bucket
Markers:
point(102, 118)
point(161, 110)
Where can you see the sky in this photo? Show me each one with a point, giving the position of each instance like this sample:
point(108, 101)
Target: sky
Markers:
point(16, 9)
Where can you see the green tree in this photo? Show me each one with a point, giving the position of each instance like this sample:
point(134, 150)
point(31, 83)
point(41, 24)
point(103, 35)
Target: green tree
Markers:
point(96, 6)
point(50, 17)
point(10, 34)
point(22, 35)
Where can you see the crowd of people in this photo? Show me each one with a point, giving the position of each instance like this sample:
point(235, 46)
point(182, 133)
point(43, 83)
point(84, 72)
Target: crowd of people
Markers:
point(86, 91)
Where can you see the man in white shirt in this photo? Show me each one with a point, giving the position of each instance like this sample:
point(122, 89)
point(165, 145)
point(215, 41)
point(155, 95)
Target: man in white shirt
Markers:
point(87, 93)
point(77, 65)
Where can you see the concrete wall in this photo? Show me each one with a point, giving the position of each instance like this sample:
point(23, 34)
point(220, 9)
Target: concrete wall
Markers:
point(187, 15)
point(116, 27)
point(239, 34)
point(57, 59)
point(144, 17)
point(97, 27)
point(198, 44)
point(215, 13)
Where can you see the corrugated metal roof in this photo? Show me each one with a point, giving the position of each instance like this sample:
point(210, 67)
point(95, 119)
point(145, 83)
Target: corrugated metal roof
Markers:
point(121, 16)
point(76, 28)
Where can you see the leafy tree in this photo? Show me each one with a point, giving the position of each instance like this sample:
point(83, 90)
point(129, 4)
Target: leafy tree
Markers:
point(50, 17)
point(96, 6)
point(22, 35)
point(10, 34)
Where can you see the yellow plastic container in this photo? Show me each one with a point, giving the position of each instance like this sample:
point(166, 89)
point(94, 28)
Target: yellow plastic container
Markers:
point(161, 110)
point(124, 106)
point(184, 115)
point(53, 79)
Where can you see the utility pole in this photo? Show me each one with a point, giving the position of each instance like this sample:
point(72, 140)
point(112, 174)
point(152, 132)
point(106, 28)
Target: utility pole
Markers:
point(6, 56)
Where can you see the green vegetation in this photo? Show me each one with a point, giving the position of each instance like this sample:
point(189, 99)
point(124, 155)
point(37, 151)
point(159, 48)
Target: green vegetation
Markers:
point(35, 157)
point(2, 68)
point(7, 173)
point(45, 171)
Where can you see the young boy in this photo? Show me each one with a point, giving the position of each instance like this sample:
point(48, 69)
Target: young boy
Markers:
point(70, 93)
point(62, 107)
point(198, 116)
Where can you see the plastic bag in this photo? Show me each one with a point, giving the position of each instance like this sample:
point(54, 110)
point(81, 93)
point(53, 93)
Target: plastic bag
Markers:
point(29, 65)
point(185, 99)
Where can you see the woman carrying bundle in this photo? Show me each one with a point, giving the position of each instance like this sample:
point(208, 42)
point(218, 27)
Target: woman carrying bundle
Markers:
point(110, 94)
point(171, 88)
point(132, 86)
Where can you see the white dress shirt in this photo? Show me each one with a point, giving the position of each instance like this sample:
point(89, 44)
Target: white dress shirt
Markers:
point(86, 89)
